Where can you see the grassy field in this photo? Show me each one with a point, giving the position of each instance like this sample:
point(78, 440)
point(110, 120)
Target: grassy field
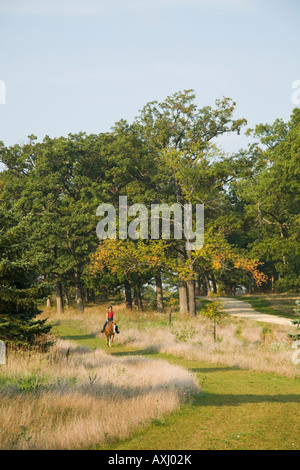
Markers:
point(161, 386)
point(237, 409)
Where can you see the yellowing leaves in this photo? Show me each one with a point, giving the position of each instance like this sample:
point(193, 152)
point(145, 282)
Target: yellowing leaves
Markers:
point(122, 257)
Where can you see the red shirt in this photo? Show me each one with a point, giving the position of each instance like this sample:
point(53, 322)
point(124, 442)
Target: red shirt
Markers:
point(110, 315)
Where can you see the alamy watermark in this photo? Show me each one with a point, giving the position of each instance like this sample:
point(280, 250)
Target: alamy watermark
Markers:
point(146, 226)
point(295, 358)
point(2, 92)
point(296, 94)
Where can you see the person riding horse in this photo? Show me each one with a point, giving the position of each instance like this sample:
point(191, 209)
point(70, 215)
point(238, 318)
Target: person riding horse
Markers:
point(110, 317)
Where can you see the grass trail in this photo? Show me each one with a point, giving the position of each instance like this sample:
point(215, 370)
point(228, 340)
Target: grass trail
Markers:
point(238, 409)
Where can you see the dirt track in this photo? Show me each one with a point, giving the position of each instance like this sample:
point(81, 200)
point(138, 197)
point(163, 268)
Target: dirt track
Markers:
point(238, 308)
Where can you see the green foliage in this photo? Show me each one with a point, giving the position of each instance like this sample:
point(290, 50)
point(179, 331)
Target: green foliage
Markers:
point(272, 201)
point(184, 333)
point(214, 311)
point(20, 286)
point(28, 383)
point(50, 190)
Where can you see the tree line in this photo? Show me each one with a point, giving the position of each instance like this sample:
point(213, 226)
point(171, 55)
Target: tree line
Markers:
point(50, 190)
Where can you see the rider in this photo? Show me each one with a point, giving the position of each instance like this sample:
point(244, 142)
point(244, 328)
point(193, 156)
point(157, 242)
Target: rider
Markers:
point(110, 317)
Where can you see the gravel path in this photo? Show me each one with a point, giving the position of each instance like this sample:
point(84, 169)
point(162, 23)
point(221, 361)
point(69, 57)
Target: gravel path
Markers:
point(238, 308)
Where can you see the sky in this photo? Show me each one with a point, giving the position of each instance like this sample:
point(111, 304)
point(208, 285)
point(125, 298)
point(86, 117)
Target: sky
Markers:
point(82, 65)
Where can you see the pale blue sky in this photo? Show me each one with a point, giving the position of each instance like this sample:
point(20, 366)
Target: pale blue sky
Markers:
point(82, 65)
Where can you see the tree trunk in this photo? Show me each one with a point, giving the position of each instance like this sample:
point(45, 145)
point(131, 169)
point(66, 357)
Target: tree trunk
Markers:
point(182, 289)
point(66, 297)
point(191, 287)
point(204, 286)
point(207, 284)
point(272, 282)
point(67, 303)
point(170, 315)
point(48, 302)
point(159, 293)
point(197, 286)
point(250, 288)
point(59, 298)
point(78, 292)
point(214, 283)
point(192, 298)
point(128, 296)
point(135, 299)
point(90, 295)
point(183, 298)
point(138, 298)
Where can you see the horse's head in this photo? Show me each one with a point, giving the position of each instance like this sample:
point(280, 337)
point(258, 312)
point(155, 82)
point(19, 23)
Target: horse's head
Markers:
point(112, 326)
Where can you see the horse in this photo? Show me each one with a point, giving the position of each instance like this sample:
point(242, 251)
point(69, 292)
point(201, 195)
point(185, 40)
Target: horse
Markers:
point(110, 331)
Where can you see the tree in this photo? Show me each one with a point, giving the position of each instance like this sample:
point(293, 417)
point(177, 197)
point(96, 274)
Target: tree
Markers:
point(214, 311)
point(133, 263)
point(226, 265)
point(272, 201)
point(180, 137)
point(20, 286)
point(61, 188)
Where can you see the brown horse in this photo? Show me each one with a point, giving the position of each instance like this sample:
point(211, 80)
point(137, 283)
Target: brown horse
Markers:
point(110, 331)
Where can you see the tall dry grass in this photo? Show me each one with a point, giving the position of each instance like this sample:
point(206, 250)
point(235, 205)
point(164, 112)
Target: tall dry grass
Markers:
point(240, 342)
point(72, 398)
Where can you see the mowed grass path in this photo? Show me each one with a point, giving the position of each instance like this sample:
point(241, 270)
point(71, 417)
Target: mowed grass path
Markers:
point(238, 409)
